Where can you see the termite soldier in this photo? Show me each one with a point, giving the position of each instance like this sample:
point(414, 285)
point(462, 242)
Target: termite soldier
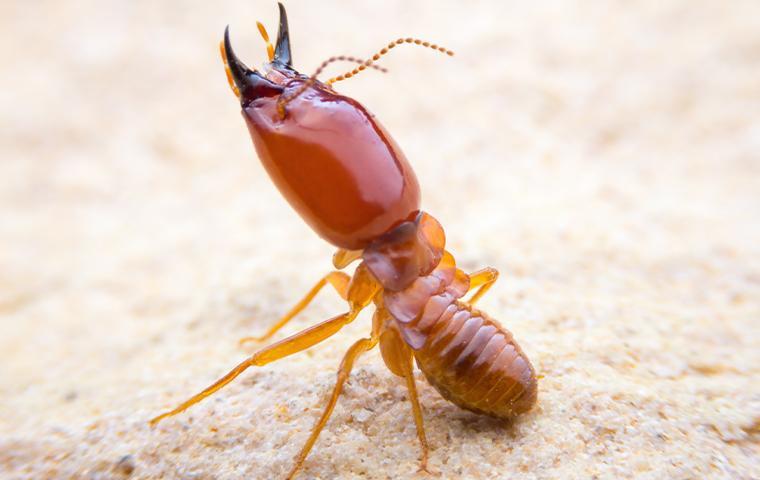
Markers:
point(349, 180)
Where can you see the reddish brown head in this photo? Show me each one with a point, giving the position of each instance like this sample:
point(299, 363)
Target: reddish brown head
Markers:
point(330, 158)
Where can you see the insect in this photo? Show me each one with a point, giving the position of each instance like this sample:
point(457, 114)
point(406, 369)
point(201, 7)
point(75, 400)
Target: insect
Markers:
point(348, 179)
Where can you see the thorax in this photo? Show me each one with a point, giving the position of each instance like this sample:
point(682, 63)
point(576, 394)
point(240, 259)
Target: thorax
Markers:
point(419, 277)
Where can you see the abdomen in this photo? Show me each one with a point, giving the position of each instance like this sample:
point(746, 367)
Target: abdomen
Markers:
point(476, 364)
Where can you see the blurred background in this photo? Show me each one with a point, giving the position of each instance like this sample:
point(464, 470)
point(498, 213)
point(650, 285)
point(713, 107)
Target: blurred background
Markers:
point(604, 155)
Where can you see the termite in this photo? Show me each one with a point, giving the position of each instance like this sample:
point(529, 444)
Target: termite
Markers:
point(349, 180)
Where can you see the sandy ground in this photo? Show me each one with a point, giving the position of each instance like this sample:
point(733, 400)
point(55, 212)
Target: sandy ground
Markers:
point(605, 156)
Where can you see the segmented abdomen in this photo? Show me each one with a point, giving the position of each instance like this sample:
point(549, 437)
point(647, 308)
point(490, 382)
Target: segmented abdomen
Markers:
point(476, 364)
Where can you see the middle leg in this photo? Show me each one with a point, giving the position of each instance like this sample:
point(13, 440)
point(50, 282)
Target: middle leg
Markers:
point(344, 371)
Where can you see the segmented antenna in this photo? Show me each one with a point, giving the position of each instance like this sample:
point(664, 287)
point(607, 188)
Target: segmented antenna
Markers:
point(236, 91)
point(345, 58)
point(385, 50)
point(284, 100)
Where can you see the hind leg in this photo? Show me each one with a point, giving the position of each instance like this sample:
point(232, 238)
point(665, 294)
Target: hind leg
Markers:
point(417, 413)
point(398, 358)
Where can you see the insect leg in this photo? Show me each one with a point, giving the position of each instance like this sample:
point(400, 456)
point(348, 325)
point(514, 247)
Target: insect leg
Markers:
point(338, 280)
point(484, 278)
point(417, 412)
point(398, 358)
point(361, 290)
point(293, 344)
point(344, 371)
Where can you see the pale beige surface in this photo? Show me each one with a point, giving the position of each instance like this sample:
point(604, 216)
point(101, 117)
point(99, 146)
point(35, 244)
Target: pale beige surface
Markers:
point(605, 156)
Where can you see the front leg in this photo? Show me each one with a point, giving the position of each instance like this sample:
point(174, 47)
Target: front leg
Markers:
point(338, 280)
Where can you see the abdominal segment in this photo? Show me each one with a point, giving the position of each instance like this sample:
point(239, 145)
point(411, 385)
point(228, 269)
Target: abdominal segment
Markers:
point(476, 364)
point(467, 356)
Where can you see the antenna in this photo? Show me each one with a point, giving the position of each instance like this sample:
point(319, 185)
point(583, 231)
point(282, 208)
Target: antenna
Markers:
point(284, 100)
point(385, 50)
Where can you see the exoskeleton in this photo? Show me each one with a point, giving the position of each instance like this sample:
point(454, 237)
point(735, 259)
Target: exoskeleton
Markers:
point(349, 180)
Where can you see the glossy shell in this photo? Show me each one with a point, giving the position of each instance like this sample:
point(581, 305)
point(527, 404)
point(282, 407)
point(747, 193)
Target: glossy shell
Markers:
point(334, 163)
